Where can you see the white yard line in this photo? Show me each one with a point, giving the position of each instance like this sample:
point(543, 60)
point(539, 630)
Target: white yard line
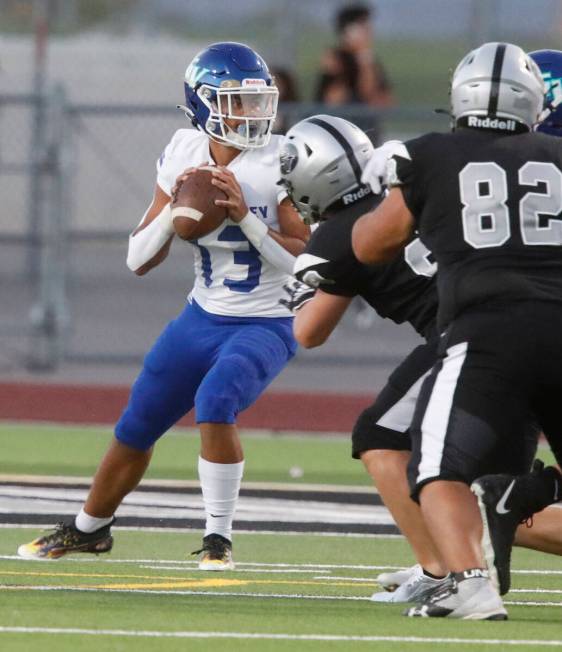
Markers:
point(250, 565)
point(184, 530)
point(345, 579)
point(280, 637)
point(291, 596)
point(252, 570)
point(550, 591)
point(188, 563)
point(240, 594)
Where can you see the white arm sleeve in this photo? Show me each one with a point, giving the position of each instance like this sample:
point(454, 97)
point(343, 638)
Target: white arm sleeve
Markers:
point(257, 233)
point(145, 244)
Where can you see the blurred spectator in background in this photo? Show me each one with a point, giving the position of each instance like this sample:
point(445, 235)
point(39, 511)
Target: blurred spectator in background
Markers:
point(351, 72)
point(288, 92)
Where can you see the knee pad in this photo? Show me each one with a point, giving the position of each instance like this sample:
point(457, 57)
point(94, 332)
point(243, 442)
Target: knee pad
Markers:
point(219, 396)
point(216, 408)
point(135, 432)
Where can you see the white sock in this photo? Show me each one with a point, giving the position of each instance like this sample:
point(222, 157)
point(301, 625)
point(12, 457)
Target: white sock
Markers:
point(220, 484)
point(88, 524)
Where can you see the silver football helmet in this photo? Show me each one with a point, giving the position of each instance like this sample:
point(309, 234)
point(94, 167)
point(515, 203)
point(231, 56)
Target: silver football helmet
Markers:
point(497, 80)
point(322, 158)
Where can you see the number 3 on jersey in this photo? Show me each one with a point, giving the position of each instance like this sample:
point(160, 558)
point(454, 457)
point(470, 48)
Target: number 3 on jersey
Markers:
point(418, 257)
point(249, 257)
point(485, 214)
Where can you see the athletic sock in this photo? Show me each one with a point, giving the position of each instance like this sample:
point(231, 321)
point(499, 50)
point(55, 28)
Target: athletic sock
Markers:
point(220, 485)
point(432, 576)
point(88, 524)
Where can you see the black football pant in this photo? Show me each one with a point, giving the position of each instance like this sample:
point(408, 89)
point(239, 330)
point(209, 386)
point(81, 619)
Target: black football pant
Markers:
point(497, 366)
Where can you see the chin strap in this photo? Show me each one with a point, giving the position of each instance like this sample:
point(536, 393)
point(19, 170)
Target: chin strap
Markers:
point(189, 114)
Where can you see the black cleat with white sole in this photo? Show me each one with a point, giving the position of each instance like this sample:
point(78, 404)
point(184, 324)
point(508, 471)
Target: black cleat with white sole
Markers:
point(502, 512)
point(506, 501)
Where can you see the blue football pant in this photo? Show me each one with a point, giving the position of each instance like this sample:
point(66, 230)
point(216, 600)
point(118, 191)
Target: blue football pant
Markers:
point(218, 364)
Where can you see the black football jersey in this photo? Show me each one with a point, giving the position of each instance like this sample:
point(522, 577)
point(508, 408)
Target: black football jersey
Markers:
point(489, 207)
point(403, 291)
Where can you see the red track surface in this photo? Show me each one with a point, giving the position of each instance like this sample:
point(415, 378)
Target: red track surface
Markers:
point(103, 404)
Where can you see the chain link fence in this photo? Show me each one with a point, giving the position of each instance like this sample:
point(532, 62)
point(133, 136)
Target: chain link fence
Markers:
point(77, 160)
point(76, 179)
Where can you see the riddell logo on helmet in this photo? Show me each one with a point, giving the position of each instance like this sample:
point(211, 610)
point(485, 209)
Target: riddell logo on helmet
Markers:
point(492, 123)
point(352, 197)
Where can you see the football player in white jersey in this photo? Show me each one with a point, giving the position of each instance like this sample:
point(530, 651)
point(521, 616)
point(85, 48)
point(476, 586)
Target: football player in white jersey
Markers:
point(233, 337)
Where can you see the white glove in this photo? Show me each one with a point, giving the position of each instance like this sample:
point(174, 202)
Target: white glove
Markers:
point(375, 173)
point(297, 295)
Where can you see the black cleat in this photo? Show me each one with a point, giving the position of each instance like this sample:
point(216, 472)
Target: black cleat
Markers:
point(501, 513)
point(66, 539)
point(216, 554)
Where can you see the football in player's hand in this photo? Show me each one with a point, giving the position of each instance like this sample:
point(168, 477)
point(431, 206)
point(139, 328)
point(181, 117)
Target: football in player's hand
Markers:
point(194, 211)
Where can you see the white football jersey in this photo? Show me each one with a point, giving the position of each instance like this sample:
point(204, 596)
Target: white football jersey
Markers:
point(231, 277)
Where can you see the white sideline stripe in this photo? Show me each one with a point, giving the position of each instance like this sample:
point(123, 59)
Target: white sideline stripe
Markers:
point(85, 589)
point(277, 596)
point(281, 637)
point(183, 530)
point(437, 412)
point(256, 564)
point(252, 570)
point(336, 578)
point(551, 591)
point(530, 603)
point(195, 563)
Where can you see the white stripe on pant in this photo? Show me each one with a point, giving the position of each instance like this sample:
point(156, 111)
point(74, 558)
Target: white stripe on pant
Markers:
point(438, 411)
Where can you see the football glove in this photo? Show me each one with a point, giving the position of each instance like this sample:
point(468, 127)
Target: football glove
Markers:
point(297, 295)
point(376, 172)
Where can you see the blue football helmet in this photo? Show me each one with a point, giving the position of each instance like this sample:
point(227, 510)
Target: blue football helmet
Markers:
point(231, 96)
point(550, 64)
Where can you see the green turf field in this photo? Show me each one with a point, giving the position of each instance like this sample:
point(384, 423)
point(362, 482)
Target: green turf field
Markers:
point(65, 450)
point(289, 592)
point(286, 586)
point(56, 450)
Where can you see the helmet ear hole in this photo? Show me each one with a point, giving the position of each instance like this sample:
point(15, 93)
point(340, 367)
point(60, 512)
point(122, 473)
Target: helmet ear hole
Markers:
point(307, 150)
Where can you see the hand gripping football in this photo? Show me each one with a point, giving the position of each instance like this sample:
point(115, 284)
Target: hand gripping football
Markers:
point(194, 211)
